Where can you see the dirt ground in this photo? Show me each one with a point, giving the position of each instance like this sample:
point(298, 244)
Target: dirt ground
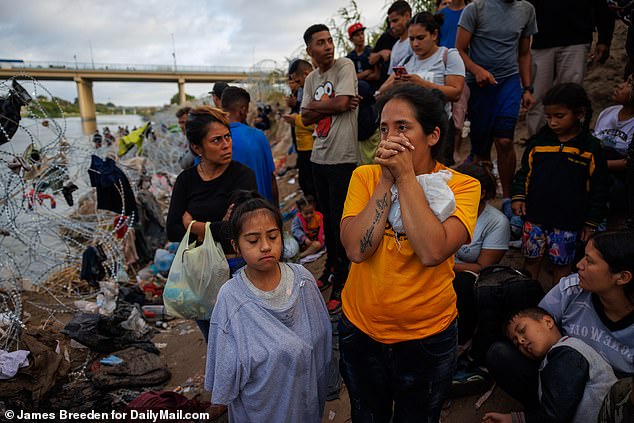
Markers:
point(182, 346)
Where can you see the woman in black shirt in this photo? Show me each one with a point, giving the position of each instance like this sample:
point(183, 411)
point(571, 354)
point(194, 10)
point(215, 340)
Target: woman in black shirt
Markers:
point(203, 192)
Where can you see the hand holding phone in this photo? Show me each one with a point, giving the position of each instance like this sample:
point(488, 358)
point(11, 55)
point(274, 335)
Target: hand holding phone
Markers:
point(399, 70)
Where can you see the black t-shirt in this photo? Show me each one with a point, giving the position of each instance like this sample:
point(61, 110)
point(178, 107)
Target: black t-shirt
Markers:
point(206, 201)
point(361, 61)
point(385, 42)
point(571, 22)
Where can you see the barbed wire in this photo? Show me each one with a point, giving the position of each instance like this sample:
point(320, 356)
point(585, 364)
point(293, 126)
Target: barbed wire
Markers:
point(41, 234)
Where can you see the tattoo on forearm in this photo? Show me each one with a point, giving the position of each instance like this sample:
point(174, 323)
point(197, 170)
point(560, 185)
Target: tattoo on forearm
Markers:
point(366, 240)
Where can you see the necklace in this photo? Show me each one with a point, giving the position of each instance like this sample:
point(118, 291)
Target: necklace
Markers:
point(203, 172)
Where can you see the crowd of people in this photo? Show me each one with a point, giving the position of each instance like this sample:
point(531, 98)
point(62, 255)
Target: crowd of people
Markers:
point(406, 222)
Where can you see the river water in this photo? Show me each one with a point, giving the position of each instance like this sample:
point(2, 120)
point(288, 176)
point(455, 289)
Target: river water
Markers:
point(34, 245)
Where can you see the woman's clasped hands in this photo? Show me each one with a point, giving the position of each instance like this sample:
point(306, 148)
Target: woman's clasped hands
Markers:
point(394, 153)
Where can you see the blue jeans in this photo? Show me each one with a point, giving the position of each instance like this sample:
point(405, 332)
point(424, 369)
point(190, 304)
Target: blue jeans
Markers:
point(406, 382)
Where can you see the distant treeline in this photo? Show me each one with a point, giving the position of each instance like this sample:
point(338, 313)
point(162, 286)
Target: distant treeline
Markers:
point(47, 107)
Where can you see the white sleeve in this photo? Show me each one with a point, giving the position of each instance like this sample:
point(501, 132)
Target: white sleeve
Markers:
point(559, 297)
point(455, 65)
point(498, 233)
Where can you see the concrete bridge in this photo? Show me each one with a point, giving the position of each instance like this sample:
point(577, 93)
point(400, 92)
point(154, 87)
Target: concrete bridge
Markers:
point(84, 74)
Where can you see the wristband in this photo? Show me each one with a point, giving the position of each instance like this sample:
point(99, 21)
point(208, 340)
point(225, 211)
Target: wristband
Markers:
point(528, 88)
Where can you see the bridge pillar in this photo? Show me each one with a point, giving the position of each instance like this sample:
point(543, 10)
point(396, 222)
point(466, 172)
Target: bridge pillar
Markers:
point(182, 99)
point(87, 109)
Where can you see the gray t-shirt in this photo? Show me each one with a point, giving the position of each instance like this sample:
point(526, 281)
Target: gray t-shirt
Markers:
point(576, 314)
point(400, 51)
point(335, 136)
point(269, 364)
point(434, 69)
point(281, 294)
point(497, 26)
point(492, 232)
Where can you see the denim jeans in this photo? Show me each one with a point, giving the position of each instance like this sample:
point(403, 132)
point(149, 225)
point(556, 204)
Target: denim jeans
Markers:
point(406, 381)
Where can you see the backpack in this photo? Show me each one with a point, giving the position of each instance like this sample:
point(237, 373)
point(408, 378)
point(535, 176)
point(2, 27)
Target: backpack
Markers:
point(499, 292)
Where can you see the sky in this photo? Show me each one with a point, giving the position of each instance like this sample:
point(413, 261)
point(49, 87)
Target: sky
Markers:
point(206, 33)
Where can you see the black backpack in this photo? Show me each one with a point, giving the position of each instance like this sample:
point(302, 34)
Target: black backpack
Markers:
point(500, 291)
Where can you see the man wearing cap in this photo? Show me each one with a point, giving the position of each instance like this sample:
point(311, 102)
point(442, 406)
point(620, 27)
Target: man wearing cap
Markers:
point(216, 93)
point(361, 54)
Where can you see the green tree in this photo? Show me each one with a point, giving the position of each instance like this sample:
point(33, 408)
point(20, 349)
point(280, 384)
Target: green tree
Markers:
point(349, 14)
point(174, 99)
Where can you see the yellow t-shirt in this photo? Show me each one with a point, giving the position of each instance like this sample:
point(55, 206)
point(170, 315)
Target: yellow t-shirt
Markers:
point(392, 296)
point(303, 134)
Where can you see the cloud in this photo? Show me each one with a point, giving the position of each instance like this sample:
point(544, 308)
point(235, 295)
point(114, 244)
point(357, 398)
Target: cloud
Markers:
point(206, 33)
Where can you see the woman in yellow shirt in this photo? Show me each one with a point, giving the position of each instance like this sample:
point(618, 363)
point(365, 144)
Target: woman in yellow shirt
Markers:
point(398, 336)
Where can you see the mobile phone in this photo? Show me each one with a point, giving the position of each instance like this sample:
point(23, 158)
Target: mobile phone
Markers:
point(399, 70)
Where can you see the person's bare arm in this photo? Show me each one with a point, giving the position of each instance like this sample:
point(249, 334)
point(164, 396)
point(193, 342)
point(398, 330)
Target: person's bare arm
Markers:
point(482, 76)
point(331, 106)
point(361, 234)
point(375, 74)
point(310, 117)
point(524, 63)
point(376, 56)
point(617, 165)
point(317, 110)
point(454, 84)
point(486, 258)
point(433, 241)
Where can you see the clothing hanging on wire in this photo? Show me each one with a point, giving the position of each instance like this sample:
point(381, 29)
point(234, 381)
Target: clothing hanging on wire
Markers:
point(113, 189)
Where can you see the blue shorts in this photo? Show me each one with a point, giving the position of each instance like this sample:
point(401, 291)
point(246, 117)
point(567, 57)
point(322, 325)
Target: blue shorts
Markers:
point(493, 113)
point(560, 244)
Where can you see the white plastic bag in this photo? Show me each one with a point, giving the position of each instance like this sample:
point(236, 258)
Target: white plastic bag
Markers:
point(440, 197)
point(196, 275)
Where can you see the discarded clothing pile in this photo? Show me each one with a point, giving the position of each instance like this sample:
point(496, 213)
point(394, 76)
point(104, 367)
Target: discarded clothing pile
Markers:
point(106, 334)
point(78, 396)
point(133, 367)
point(45, 367)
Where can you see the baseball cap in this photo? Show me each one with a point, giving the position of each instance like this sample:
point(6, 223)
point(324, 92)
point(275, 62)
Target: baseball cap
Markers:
point(354, 28)
point(218, 88)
